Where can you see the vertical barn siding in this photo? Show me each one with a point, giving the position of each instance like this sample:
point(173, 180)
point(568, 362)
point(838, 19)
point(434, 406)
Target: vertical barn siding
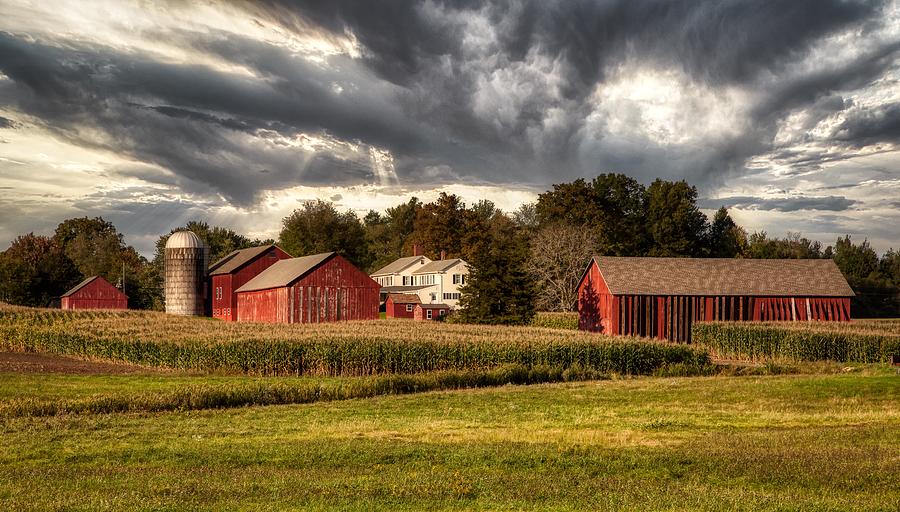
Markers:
point(226, 308)
point(671, 317)
point(268, 306)
point(394, 310)
point(334, 291)
point(98, 294)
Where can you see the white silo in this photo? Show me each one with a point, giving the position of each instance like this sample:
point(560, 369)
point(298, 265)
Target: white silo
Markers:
point(187, 259)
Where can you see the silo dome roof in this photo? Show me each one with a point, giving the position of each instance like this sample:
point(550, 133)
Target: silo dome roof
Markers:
point(184, 240)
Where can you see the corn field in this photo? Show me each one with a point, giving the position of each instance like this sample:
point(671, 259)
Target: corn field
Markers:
point(554, 320)
point(336, 349)
point(863, 341)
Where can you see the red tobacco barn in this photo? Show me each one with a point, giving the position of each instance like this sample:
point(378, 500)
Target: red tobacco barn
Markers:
point(312, 289)
point(401, 305)
point(233, 271)
point(662, 297)
point(94, 293)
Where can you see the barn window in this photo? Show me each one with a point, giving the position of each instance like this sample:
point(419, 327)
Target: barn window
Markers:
point(442, 312)
point(409, 308)
point(428, 314)
point(271, 255)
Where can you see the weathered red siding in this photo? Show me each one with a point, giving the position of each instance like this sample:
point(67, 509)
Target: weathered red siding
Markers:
point(98, 294)
point(671, 317)
point(226, 307)
point(393, 310)
point(334, 291)
point(419, 312)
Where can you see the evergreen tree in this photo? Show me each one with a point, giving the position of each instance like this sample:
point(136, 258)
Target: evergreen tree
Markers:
point(676, 225)
point(726, 238)
point(498, 289)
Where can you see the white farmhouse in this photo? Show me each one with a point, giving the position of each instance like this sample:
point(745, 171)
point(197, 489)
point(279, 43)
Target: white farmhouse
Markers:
point(435, 282)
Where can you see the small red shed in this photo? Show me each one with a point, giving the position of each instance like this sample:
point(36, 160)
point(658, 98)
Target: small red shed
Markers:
point(662, 297)
point(94, 293)
point(430, 311)
point(311, 289)
point(401, 305)
point(233, 271)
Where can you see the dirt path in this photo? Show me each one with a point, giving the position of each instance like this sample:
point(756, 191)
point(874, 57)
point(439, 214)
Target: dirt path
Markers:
point(14, 362)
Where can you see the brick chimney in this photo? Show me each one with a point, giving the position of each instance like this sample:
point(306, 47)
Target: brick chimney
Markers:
point(417, 250)
point(443, 255)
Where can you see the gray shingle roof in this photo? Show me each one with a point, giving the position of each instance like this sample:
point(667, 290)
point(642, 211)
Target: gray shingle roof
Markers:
point(404, 298)
point(437, 266)
point(398, 265)
point(235, 259)
point(723, 276)
point(285, 272)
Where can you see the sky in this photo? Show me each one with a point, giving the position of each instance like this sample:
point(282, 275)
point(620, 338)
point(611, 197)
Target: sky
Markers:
point(151, 114)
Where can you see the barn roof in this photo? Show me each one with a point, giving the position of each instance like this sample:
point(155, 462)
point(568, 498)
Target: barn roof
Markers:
point(285, 272)
point(404, 298)
point(235, 259)
point(437, 266)
point(398, 265)
point(723, 276)
point(83, 284)
point(433, 306)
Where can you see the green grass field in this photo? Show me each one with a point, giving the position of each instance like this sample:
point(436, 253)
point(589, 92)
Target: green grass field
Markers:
point(788, 434)
point(809, 442)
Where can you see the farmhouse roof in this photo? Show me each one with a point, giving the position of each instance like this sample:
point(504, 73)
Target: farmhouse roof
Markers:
point(236, 259)
point(398, 265)
point(285, 272)
point(437, 266)
point(404, 298)
point(722, 276)
point(85, 283)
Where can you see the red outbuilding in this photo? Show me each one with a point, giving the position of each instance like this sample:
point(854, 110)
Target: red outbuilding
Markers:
point(311, 289)
point(430, 311)
point(94, 293)
point(662, 297)
point(401, 305)
point(233, 271)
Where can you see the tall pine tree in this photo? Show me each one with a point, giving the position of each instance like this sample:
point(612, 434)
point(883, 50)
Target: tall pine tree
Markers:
point(499, 289)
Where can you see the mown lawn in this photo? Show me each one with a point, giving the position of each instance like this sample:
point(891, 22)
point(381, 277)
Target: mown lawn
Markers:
point(802, 442)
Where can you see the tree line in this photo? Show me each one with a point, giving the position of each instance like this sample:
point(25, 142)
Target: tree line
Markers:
point(522, 261)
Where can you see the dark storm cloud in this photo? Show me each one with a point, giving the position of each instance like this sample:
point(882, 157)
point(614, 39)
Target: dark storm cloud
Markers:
point(414, 90)
point(7, 123)
point(785, 204)
point(870, 126)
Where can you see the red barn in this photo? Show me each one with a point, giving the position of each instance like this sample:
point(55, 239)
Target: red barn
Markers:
point(430, 311)
point(94, 293)
point(401, 305)
point(233, 271)
point(312, 289)
point(662, 297)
